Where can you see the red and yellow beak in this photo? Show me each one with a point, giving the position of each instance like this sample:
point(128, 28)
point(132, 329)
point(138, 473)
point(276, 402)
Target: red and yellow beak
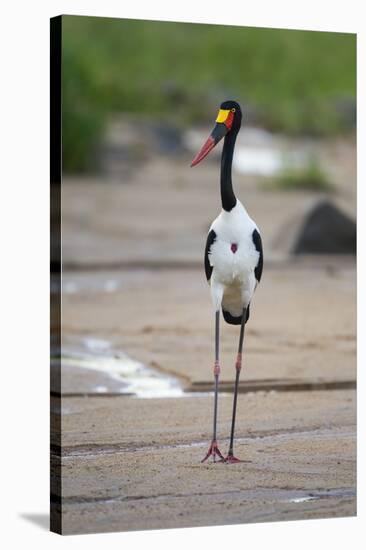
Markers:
point(224, 122)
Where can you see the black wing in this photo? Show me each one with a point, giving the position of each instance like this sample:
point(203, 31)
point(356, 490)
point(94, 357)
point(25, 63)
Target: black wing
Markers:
point(210, 239)
point(258, 246)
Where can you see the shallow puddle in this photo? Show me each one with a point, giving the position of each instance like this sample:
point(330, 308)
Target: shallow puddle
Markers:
point(132, 377)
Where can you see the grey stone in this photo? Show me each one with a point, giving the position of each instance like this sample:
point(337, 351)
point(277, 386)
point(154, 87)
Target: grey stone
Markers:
point(326, 230)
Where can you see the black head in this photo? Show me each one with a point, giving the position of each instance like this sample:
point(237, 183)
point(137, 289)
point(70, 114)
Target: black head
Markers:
point(232, 107)
point(228, 120)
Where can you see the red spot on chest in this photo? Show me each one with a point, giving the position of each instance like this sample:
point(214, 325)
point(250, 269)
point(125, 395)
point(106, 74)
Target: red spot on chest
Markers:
point(234, 248)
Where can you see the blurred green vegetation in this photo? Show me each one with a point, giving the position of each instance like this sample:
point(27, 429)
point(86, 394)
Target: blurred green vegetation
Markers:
point(310, 176)
point(290, 81)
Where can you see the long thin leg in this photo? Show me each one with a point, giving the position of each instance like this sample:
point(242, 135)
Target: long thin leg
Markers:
point(230, 457)
point(214, 450)
point(216, 369)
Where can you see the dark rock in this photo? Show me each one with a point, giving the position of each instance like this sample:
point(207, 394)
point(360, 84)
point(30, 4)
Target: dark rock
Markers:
point(326, 230)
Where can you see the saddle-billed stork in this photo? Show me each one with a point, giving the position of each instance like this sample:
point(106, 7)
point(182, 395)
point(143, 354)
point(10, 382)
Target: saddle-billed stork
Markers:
point(233, 257)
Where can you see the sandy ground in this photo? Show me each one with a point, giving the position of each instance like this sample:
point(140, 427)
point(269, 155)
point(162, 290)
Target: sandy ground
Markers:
point(131, 463)
point(135, 463)
point(302, 324)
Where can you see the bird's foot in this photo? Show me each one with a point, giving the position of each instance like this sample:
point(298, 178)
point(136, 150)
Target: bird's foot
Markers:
point(214, 451)
point(231, 459)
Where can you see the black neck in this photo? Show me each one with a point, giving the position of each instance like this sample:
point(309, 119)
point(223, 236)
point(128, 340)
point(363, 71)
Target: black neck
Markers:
point(228, 198)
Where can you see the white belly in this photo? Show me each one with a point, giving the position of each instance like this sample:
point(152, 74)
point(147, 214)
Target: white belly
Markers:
point(233, 281)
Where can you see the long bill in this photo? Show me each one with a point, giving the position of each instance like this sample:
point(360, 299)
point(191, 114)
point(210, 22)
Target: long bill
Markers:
point(220, 130)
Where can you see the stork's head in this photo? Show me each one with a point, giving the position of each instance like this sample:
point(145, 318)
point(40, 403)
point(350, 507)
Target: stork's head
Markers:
point(228, 120)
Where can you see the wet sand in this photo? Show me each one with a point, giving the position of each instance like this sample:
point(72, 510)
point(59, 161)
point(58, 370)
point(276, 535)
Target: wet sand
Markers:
point(135, 463)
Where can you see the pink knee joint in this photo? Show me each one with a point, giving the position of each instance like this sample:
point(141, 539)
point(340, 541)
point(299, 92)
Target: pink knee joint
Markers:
point(216, 368)
point(238, 362)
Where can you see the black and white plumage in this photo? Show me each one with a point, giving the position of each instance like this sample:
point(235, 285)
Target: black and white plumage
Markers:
point(233, 255)
point(233, 262)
